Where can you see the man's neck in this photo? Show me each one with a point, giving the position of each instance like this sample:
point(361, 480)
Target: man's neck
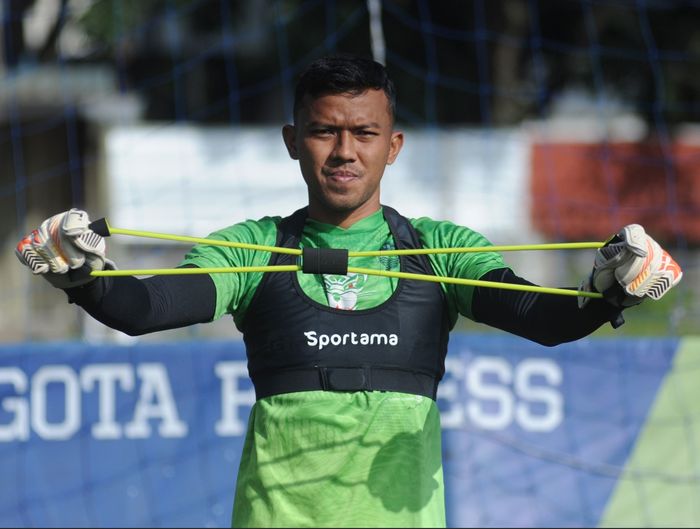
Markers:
point(342, 219)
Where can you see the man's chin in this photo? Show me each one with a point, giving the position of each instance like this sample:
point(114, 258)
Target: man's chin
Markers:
point(343, 207)
point(340, 203)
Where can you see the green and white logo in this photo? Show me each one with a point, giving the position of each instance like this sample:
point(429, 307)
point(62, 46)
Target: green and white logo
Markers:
point(342, 291)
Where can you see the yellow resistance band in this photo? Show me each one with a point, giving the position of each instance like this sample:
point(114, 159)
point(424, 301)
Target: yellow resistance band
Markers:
point(367, 271)
point(377, 253)
point(351, 269)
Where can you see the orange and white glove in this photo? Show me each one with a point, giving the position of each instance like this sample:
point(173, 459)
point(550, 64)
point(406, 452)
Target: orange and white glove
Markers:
point(630, 267)
point(64, 250)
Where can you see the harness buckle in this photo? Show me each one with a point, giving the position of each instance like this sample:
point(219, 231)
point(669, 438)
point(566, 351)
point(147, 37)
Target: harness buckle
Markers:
point(346, 378)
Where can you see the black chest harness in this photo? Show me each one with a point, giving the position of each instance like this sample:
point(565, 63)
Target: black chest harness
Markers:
point(296, 344)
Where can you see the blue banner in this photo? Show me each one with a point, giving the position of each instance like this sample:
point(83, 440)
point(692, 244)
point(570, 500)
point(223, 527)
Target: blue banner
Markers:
point(151, 434)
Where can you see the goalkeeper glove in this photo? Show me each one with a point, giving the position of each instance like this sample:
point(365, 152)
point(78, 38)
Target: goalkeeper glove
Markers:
point(630, 267)
point(64, 250)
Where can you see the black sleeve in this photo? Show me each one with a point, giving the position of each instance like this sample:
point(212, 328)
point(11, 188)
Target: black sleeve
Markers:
point(139, 306)
point(547, 319)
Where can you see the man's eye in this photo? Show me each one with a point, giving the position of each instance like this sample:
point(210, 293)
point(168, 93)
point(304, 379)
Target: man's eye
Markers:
point(365, 132)
point(321, 132)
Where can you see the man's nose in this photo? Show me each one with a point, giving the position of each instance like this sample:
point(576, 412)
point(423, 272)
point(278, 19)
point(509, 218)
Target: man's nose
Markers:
point(344, 148)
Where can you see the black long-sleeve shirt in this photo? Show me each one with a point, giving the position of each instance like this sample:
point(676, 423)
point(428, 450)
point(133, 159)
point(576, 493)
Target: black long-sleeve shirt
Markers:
point(139, 306)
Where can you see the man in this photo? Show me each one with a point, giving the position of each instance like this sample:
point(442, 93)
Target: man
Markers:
point(345, 431)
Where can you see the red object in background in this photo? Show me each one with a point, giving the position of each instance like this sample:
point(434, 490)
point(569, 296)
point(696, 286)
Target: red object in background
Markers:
point(588, 191)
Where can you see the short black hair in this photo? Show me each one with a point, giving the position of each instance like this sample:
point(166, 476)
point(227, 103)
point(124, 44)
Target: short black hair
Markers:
point(344, 74)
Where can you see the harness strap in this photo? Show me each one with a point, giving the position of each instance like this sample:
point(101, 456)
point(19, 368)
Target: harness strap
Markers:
point(338, 378)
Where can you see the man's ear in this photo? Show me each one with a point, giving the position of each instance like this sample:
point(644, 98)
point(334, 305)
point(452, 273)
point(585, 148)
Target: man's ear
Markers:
point(289, 135)
point(395, 146)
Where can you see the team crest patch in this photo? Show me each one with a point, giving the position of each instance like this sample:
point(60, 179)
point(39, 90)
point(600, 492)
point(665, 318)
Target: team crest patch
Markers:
point(342, 291)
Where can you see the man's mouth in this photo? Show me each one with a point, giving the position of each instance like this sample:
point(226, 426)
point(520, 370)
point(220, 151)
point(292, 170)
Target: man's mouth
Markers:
point(341, 177)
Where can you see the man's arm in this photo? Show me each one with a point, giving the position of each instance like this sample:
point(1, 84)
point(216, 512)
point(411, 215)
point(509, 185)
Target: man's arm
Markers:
point(140, 306)
point(630, 267)
point(544, 318)
point(64, 250)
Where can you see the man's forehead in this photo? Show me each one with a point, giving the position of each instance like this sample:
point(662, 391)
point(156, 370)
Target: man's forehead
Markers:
point(368, 106)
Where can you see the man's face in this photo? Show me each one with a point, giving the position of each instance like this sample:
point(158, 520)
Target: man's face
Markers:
point(343, 143)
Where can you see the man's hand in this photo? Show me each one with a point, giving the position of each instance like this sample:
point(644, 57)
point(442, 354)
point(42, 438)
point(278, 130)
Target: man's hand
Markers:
point(64, 250)
point(630, 267)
